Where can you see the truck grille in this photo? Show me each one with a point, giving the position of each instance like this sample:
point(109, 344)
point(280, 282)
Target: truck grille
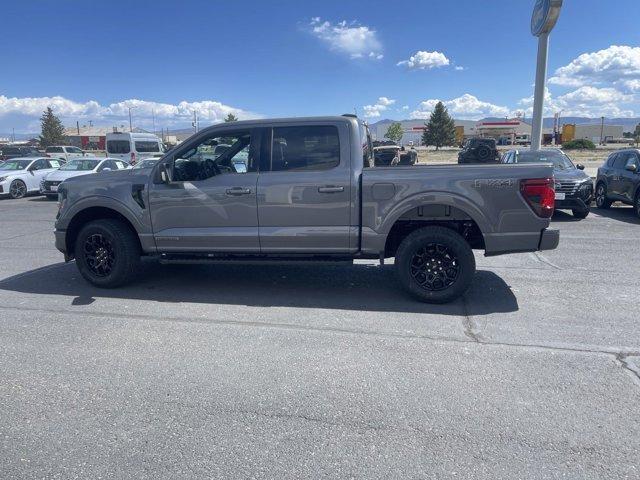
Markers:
point(48, 184)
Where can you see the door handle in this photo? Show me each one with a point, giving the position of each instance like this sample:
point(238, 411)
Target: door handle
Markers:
point(330, 189)
point(238, 191)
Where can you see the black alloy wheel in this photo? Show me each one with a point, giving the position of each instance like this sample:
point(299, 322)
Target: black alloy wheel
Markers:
point(99, 255)
point(435, 267)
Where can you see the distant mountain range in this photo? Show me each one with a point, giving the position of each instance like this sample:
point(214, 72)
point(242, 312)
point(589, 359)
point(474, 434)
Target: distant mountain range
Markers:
point(629, 124)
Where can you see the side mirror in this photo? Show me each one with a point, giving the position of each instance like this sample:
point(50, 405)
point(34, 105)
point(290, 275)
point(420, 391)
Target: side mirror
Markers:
point(632, 167)
point(579, 166)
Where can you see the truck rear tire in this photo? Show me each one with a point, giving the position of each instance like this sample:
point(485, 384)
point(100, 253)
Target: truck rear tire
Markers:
point(107, 253)
point(435, 264)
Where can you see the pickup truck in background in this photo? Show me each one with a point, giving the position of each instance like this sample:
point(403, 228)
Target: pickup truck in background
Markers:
point(305, 189)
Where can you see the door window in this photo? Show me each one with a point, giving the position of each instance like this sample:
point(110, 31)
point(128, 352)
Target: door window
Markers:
point(305, 148)
point(220, 154)
point(147, 146)
point(40, 164)
point(619, 161)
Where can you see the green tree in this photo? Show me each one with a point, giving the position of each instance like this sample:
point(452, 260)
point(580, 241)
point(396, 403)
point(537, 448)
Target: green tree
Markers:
point(230, 118)
point(394, 132)
point(636, 134)
point(52, 129)
point(441, 129)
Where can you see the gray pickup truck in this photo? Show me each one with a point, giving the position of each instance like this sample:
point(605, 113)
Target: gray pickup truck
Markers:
point(303, 189)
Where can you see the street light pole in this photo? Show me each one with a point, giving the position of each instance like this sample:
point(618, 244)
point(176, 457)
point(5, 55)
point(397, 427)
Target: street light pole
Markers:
point(538, 98)
point(130, 123)
point(544, 18)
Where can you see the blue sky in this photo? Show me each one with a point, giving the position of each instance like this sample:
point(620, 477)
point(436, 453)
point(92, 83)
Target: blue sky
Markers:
point(92, 60)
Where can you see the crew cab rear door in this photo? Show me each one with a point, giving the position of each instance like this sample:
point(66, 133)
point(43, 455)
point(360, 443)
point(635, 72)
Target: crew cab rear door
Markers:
point(210, 203)
point(304, 189)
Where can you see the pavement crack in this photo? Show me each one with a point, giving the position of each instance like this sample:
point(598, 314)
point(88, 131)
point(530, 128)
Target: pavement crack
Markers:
point(469, 324)
point(542, 259)
point(621, 358)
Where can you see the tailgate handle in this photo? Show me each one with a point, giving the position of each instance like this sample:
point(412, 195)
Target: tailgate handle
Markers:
point(238, 191)
point(330, 189)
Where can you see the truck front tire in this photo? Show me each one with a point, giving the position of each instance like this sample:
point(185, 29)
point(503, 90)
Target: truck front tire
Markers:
point(107, 253)
point(435, 264)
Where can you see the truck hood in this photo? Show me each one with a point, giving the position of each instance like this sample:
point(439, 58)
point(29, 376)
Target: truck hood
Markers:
point(61, 175)
point(102, 179)
point(572, 174)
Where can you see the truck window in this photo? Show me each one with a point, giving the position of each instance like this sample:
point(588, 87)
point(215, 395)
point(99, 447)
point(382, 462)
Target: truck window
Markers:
point(305, 148)
point(147, 146)
point(118, 146)
point(205, 160)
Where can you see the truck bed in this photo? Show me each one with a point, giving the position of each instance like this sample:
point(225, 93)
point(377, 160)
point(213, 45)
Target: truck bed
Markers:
point(486, 195)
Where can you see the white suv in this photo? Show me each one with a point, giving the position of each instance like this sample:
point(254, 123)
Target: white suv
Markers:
point(63, 152)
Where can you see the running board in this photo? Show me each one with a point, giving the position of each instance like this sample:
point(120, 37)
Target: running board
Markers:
point(264, 259)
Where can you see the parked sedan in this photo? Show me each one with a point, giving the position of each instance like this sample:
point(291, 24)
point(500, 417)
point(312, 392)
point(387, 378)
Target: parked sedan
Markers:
point(619, 179)
point(77, 167)
point(574, 188)
point(20, 176)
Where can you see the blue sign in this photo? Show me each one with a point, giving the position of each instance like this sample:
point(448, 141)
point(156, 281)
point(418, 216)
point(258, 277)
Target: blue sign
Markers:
point(540, 17)
point(545, 15)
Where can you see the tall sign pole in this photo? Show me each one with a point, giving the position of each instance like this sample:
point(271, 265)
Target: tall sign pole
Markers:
point(544, 18)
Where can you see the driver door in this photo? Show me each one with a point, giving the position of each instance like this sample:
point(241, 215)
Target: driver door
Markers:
point(210, 204)
point(38, 170)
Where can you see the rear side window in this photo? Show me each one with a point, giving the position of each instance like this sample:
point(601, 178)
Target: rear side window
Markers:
point(118, 146)
point(305, 148)
point(146, 147)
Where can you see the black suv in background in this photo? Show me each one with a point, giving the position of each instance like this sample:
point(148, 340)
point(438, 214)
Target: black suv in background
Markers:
point(574, 188)
point(619, 179)
point(14, 151)
point(479, 150)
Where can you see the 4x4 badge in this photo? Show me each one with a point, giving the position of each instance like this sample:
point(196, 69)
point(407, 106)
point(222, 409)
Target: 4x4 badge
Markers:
point(494, 183)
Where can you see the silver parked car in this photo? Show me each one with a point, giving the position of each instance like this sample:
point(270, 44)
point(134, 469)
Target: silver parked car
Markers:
point(77, 167)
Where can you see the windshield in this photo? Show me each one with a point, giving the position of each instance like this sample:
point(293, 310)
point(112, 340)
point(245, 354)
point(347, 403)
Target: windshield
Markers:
point(81, 165)
point(559, 160)
point(15, 165)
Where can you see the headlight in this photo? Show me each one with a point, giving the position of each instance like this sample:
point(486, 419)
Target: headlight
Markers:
point(2, 179)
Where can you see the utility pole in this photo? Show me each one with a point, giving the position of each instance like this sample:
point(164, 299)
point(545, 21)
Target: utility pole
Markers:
point(544, 18)
point(195, 121)
point(602, 131)
point(130, 123)
point(153, 116)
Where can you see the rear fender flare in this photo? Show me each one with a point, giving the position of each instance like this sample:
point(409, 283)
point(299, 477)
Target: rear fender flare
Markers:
point(436, 198)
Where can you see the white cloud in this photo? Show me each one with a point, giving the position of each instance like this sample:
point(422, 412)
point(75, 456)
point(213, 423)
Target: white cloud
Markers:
point(464, 107)
point(618, 63)
point(166, 114)
point(425, 60)
point(586, 101)
point(353, 39)
point(374, 111)
point(459, 68)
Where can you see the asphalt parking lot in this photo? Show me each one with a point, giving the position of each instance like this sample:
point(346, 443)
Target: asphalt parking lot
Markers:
point(322, 372)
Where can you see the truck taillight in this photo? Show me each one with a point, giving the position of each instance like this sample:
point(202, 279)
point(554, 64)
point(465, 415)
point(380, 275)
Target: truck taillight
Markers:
point(133, 159)
point(540, 194)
